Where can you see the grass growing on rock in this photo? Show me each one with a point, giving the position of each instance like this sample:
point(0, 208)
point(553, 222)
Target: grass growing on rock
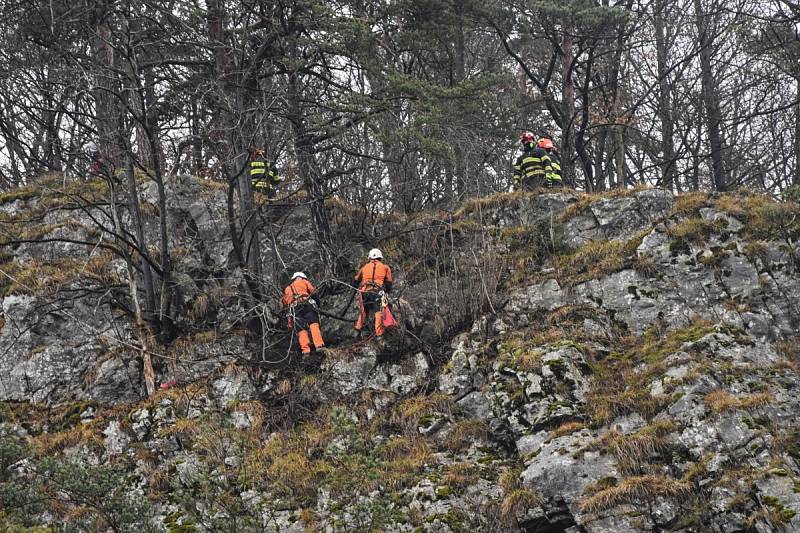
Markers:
point(518, 502)
point(465, 432)
point(689, 204)
point(40, 276)
point(632, 451)
point(694, 230)
point(635, 489)
point(585, 200)
point(503, 199)
point(596, 259)
point(763, 217)
point(720, 401)
point(567, 428)
point(517, 499)
point(622, 380)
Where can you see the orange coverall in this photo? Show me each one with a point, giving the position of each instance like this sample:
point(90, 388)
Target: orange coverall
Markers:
point(296, 297)
point(374, 277)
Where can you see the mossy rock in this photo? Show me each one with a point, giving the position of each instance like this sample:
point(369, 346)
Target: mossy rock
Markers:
point(171, 522)
point(443, 491)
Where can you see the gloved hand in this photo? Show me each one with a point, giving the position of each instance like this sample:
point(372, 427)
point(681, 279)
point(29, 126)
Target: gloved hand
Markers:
point(290, 322)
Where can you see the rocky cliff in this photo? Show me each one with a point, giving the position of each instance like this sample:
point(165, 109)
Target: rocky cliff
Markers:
point(568, 362)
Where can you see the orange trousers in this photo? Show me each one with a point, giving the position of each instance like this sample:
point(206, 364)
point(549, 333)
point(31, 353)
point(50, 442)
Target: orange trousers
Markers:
point(316, 337)
point(369, 302)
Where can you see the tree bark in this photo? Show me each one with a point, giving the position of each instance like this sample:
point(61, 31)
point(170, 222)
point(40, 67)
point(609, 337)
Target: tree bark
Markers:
point(230, 87)
point(567, 104)
point(711, 100)
point(138, 226)
point(459, 75)
point(106, 80)
point(140, 328)
point(306, 166)
point(664, 99)
point(796, 176)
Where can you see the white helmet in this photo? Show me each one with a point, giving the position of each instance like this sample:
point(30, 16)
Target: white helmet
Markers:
point(298, 275)
point(375, 254)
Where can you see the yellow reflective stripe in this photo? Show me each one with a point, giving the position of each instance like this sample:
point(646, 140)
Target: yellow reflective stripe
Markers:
point(531, 160)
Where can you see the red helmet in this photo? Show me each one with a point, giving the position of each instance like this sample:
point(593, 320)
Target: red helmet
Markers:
point(546, 143)
point(526, 137)
point(258, 152)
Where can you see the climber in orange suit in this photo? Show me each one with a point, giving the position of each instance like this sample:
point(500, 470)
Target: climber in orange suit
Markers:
point(373, 280)
point(299, 300)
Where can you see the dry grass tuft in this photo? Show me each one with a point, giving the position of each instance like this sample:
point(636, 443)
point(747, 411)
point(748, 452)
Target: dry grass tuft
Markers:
point(200, 307)
point(720, 401)
point(635, 489)
point(149, 209)
point(695, 230)
point(183, 427)
point(742, 205)
point(606, 404)
point(566, 428)
point(412, 411)
point(464, 433)
point(587, 199)
point(764, 218)
point(461, 474)
point(308, 517)
point(631, 451)
point(47, 277)
point(284, 387)
point(510, 479)
point(296, 473)
point(690, 203)
point(399, 447)
point(591, 261)
point(47, 444)
point(517, 502)
point(475, 205)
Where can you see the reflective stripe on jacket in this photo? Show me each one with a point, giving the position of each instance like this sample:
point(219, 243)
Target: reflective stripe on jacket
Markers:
point(552, 167)
point(530, 164)
point(261, 176)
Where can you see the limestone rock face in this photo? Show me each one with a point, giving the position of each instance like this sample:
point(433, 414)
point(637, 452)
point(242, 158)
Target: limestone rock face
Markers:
point(627, 362)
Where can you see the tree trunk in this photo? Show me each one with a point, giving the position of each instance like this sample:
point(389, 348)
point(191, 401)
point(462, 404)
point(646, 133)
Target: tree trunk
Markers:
point(620, 121)
point(141, 329)
point(103, 92)
point(796, 176)
point(567, 105)
point(197, 146)
point(459, 75)
point(711, 101)
point(138, 226)
point(230, 87)
point(664, 99)
point(619, 155)
point(599, 157)
point(306, 166)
